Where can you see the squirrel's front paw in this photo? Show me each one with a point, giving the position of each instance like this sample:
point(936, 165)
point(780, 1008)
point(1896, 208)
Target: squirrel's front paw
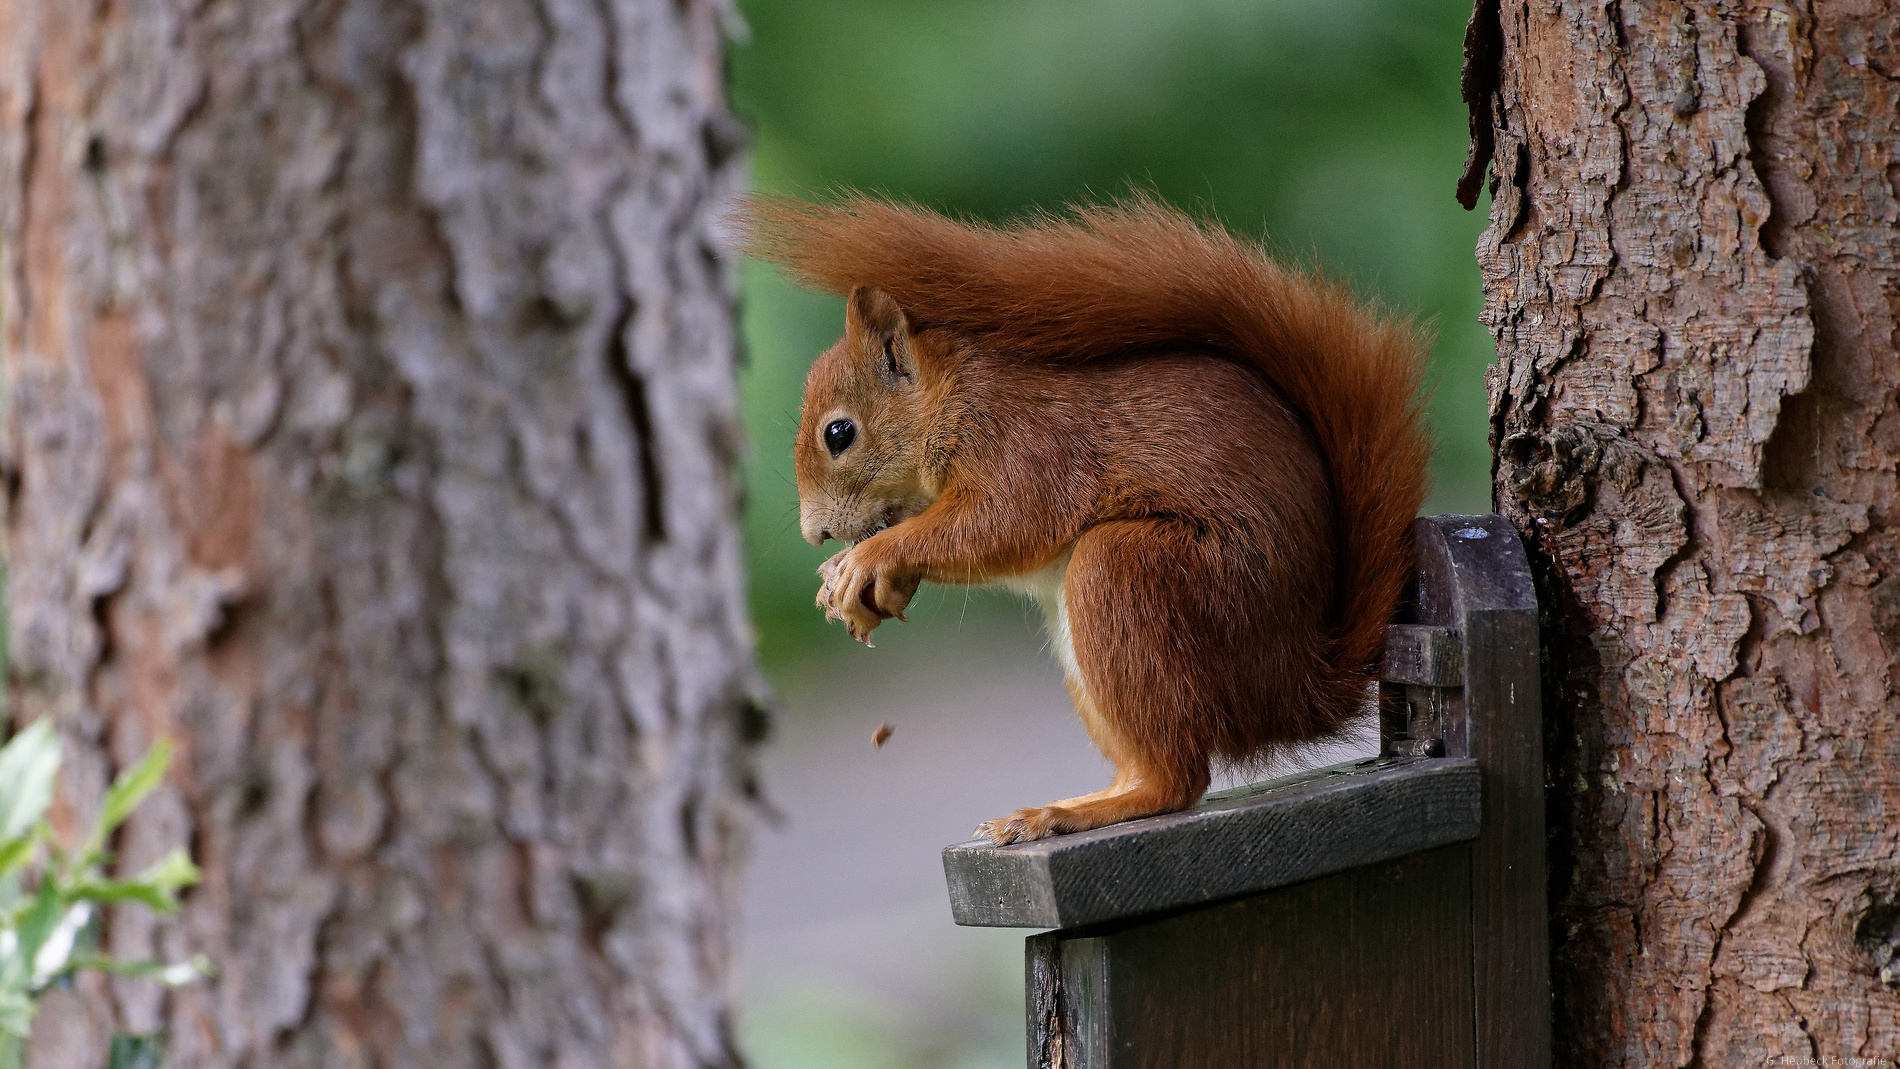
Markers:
point(863, 593)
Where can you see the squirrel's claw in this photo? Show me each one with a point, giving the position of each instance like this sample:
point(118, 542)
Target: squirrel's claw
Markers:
point(1026, 825)
point(862, 595)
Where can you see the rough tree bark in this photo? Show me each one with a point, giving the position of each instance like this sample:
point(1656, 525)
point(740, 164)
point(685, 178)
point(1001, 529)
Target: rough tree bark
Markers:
point(370, 431)
point(1693, 275)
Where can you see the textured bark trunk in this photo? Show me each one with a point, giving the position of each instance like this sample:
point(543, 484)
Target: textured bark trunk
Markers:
point(370, 430)
point(1693, 275)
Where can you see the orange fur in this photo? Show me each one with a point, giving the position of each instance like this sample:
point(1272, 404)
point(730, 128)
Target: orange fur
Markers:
point(1206, 463)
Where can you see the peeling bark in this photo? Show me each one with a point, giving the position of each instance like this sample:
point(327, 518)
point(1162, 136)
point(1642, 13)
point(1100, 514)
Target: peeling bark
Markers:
point(370, 431)
point(1693, 275)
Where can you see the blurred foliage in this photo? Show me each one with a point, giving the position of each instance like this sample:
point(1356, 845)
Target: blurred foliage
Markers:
point(1332, 131)
point(50, 892)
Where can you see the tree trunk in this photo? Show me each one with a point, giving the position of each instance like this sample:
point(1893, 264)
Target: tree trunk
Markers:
point(1693, 275)
point(370, 431)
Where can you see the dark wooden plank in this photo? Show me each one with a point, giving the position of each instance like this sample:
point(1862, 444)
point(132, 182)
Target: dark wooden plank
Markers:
point(1370, 967)
point(1475, 579)
point(1236, 842)
point(1423, 655)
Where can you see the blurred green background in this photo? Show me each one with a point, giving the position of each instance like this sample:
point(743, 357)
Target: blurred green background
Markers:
point(1332, 131)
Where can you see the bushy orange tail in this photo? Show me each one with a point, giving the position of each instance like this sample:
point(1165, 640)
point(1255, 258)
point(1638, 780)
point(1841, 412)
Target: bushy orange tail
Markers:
point(1138, 273)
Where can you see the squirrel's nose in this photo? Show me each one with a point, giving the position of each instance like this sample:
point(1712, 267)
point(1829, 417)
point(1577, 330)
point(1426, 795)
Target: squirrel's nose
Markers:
point(810, 523)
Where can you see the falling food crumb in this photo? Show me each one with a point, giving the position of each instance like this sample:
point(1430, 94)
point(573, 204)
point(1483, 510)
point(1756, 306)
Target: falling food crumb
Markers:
point(881, 735)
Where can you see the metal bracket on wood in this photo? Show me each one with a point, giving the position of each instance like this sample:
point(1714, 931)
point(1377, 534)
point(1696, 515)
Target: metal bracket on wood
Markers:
point(1424, 664)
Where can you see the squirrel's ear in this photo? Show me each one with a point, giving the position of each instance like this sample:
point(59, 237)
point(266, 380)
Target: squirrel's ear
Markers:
point(874, 316)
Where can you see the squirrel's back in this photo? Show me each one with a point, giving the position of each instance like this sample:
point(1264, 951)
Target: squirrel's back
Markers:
point(1139, 274)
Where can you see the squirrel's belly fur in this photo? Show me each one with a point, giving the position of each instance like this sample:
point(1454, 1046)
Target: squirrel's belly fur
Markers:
point(1048, 589)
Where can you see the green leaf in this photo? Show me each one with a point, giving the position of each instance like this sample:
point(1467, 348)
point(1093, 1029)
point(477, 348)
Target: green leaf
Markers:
point(114, 891)
point(13, 971)
point(15, 853)
point(172, 872)
point(131, 788)
point(135, 1052)
point(156, 887)
point(57, 950)
point(12, 1045)
point(28, 763)
point(16, 1014)
point(176, 974)
point(35, 925)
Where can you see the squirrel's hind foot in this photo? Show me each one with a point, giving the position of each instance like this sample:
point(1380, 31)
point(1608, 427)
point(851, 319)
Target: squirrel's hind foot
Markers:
point(1094, 811)
point(1026, 825)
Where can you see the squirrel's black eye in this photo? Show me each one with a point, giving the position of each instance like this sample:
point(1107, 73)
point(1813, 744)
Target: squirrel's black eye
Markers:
point(839, 434)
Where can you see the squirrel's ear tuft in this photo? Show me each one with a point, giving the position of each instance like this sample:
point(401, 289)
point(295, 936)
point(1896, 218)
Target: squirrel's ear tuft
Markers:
point(875, 319)
point(874, 312)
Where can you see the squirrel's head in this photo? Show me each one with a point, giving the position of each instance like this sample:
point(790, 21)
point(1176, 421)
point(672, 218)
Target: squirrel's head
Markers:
point(862, 455)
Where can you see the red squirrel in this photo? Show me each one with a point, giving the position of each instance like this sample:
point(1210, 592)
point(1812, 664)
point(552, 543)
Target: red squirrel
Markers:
point(1203, 464)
